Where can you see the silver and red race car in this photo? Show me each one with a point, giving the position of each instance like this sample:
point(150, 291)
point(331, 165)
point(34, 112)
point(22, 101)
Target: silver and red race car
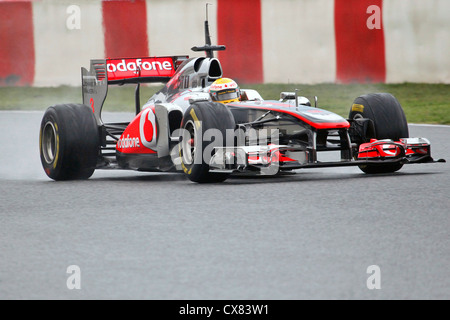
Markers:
point(181, 129)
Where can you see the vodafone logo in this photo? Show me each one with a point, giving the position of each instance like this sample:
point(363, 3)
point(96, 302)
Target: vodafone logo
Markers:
point(147, 128)
point(140, 137)
point(125, 65)
point(223, 86)
point(127, 142)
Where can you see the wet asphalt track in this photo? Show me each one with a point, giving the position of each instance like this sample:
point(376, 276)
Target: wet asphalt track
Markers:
point(158, 236)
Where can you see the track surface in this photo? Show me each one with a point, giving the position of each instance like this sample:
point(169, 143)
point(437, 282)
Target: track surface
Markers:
point(311, 235)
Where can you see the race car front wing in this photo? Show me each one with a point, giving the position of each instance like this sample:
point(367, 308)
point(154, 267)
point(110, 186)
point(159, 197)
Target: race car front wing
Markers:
point(271, 159)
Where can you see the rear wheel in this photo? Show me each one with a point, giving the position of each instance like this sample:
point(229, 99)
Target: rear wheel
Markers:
point(389, 123)
point(204, 128)
point(69, 142)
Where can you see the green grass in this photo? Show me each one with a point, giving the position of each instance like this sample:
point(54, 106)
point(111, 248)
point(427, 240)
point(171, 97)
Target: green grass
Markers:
point(119, 98)
point(423, 103)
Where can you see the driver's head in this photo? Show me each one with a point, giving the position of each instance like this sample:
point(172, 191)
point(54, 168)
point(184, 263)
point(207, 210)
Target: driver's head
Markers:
point(224, 90)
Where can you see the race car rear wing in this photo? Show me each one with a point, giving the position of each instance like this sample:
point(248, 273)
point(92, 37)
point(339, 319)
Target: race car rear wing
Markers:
point(104, 72)
point(142, 70)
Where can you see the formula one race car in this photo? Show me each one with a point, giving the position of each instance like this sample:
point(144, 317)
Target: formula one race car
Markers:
point(183, 128)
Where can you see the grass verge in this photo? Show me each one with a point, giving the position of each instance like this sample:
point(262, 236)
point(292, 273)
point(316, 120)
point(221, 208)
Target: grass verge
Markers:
point(423, 103)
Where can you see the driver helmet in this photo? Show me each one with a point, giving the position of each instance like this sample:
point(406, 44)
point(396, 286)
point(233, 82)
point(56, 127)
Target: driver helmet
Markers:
point(225, 90)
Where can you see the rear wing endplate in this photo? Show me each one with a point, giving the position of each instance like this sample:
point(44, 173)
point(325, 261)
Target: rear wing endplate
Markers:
point(104, 72)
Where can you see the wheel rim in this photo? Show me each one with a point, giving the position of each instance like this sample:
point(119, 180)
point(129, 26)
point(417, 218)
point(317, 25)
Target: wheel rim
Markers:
point(188, 143)
point(49, 144)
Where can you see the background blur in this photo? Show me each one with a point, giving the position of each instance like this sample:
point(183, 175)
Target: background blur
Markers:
point(44, 43)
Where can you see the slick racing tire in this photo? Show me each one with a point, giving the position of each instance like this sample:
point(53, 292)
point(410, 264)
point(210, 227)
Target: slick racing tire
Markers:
point(69, 142)
point(195, 151)
point(389, 122)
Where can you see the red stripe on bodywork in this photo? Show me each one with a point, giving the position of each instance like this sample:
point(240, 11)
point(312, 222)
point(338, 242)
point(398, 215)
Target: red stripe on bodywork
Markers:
point(239, 29)
point(318, 125)
point(360, 51)
point(125, 28)
point(17, 57)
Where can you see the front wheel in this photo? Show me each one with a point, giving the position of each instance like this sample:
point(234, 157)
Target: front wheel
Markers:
point(204, 127)
point(69, 142)
point(389, 122)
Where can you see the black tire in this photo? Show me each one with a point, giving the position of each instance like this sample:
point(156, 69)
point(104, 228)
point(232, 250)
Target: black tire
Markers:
point(69, 142)
point(197, 119)
point(389, 123)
